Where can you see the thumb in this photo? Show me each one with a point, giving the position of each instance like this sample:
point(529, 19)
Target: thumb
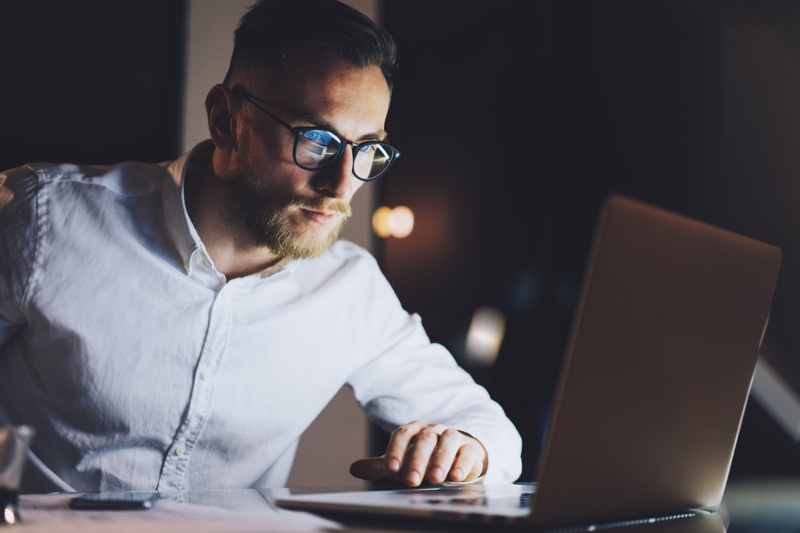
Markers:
point(370, 469)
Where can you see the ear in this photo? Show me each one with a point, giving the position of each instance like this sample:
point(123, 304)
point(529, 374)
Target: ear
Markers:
point(221, 126)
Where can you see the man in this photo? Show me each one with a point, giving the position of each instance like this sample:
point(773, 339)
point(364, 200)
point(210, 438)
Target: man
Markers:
point(179, 326)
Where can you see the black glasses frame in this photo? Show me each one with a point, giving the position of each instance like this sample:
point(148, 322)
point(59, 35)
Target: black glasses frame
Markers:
point(300, 131)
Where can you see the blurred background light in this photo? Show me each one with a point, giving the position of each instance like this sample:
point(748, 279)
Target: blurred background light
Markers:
point(380, 221)
point(485, 335)
point(397, 222)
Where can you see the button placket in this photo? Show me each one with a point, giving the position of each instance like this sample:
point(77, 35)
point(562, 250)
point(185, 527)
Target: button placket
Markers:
point(176, 463)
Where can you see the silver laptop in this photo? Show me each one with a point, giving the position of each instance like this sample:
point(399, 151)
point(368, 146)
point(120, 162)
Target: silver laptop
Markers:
point(652, 389)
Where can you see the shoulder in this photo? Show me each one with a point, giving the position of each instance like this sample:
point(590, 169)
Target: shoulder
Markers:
point(344, 264)
point(20, 219)
point(33, 193)
point(128, 178)
point(18, 189)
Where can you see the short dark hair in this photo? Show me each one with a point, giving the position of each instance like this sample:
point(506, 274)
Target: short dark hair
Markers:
point(274, 30)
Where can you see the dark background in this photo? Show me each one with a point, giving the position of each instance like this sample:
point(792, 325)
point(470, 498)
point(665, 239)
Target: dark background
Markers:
point(515, 118)
point(90, 81)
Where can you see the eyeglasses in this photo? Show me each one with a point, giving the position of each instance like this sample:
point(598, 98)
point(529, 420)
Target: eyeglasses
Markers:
point(316, 148)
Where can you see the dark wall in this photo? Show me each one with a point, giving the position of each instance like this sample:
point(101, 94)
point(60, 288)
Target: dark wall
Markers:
point(516, 118)
point(90, 81)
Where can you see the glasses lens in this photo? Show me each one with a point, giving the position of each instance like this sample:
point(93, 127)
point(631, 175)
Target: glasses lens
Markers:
point(316, 148)
point(372, 159)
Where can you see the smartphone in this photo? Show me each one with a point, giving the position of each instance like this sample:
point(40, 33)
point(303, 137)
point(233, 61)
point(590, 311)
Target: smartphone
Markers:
point(114, 500)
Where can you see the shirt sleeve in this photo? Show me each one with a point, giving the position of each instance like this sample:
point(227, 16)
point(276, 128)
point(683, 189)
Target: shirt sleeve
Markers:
point(19, 241)
point(414, 379)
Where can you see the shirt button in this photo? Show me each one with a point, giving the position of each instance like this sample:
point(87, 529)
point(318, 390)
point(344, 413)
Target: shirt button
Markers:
point(180, 450)
point(204, 375)
point(186, 264)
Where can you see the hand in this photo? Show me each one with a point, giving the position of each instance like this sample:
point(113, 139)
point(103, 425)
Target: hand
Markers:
point(419, 451)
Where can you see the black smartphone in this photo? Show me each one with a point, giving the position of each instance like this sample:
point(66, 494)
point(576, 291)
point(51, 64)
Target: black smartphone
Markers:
point(114, 500)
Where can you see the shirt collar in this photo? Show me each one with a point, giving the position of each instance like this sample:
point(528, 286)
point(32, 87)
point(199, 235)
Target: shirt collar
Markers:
point(182, 231)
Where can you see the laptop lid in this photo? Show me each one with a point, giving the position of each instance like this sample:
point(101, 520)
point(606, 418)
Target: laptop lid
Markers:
point(653, 385)
point(658, 368)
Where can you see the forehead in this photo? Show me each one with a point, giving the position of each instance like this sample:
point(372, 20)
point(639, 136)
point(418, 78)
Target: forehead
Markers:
point(330, 89)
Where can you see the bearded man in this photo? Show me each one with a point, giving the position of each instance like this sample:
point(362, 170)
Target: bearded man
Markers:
point(179, 325)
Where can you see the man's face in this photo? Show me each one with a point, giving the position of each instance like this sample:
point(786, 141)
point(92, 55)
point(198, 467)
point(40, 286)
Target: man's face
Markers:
point(299, 213)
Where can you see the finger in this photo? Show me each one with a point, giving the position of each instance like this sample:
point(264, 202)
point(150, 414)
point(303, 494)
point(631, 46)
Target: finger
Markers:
point(419, 454)
point(469, 463)
point(399, 443)
point(369, 469)
point(443, 458)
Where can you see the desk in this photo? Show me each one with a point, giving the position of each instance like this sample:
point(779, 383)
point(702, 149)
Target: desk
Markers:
point(766, 505)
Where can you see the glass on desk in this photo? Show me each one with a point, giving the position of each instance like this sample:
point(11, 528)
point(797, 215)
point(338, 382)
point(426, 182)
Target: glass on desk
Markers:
point(14, 442)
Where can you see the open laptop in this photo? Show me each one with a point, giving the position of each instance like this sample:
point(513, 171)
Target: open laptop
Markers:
point(652, 390)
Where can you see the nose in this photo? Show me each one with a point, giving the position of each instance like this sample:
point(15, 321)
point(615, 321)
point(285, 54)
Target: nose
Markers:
point(337, 180)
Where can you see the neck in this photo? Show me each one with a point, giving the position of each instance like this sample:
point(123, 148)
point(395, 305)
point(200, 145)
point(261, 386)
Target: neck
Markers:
point(213, 214)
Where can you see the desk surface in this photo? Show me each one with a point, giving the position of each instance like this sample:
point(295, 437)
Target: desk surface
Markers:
point(749, 507)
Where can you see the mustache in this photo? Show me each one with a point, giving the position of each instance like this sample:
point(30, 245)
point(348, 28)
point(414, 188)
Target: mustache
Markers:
point(323, 204)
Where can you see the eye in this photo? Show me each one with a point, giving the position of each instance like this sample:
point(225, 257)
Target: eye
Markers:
point(319, 136)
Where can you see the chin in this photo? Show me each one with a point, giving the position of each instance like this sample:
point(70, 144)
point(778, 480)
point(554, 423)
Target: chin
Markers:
point(308, 245)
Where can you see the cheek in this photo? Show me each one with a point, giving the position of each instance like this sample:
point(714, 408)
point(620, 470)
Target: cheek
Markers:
point(259, 166)
point(357, 184)
point(279, 180)
point(264, 149)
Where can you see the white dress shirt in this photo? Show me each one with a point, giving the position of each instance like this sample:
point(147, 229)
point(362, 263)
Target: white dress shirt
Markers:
point(140, 366)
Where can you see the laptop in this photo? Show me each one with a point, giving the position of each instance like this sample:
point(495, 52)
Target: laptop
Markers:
point(652, 389)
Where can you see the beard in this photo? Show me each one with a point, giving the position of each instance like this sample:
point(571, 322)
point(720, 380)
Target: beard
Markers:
point(269, 217)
